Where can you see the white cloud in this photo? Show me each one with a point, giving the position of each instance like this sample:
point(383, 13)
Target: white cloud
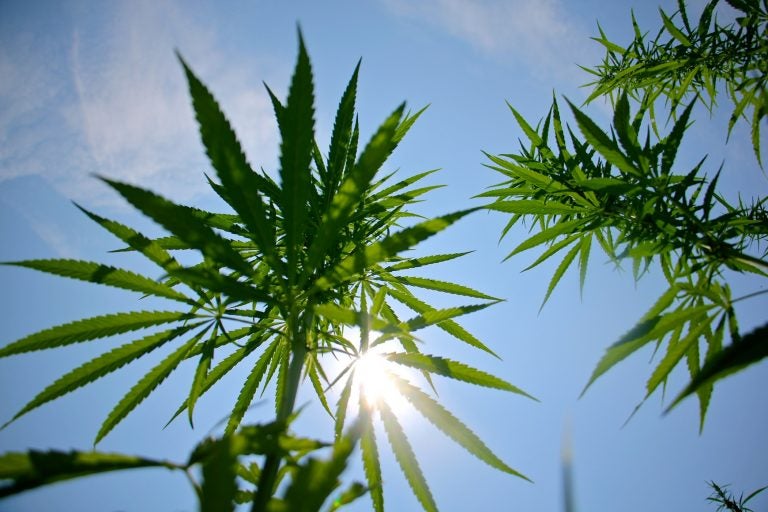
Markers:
point(537, 33)
point(114, 101)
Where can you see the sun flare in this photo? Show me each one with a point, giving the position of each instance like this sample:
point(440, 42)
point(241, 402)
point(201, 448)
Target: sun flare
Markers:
point(373, 378)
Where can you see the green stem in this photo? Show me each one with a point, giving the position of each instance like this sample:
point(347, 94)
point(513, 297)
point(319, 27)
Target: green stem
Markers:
point(268, 479)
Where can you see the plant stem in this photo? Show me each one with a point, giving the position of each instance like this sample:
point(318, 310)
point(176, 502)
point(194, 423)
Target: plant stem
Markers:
point(268, 478)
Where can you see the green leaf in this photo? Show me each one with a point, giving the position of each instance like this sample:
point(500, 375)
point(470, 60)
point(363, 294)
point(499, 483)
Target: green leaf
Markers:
point(449, 326)
point(353, 188)
point(312, 370)
point(90, 329)
point(185, 225)
point(102, 365)
point(103, 274)
point(341, 406)
point(341, 138)
point(673, 30)
point(297, 133)
point(545, 235)
point(201, 373)
point(602, 143)
point(145, 386)
point(239, 181)
point(370, 455)
point(561, 268)
point(136, 241)
point(406, 458)
point(219, 475)
point(35, 468)
point(453, 370)
point(386, 248)
point(423, 261)
point(750, 349)
point(675, 353)
point(444, 286)
point(648, 329)
point(450, 425)
point(250, 386)
point(534, 207)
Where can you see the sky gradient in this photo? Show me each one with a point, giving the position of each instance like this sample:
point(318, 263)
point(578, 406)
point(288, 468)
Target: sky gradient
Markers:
point(94, 88)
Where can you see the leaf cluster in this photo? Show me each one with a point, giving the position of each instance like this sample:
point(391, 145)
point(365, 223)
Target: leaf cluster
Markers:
point(687, 61)
point(304, 252)
point(622, 192)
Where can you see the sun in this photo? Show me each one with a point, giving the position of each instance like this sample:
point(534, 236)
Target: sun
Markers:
point(375, 383)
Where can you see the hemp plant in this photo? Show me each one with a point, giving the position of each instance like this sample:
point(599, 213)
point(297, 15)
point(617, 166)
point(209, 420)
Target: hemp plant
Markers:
point(304, 254)
point(623, 191)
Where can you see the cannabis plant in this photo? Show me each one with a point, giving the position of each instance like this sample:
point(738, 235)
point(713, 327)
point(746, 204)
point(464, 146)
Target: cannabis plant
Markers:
point(687, 62)
point(303, 255)
point(623, 191)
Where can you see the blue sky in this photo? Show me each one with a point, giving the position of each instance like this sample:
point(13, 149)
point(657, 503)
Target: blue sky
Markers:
point(94, 87)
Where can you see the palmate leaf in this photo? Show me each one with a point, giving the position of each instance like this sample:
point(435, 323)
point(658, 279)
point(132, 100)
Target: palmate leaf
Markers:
point(454, 370)
point(102, 365)
point(406, 458)
point(36, 468)
point(387, 248)
point(450, 425)
point(179, 221)
point(145, 386)
point(240, 183)
point(750, 349)
point(91, 329)
point(561, 228)
point(103, 274)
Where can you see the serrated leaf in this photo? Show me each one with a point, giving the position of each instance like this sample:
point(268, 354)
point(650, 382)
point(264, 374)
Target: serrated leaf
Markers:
point(317, 385)
point(443, 286)
point(179, 221)
point(370, 455)
point(219, 475)
point(544, 236)
point(296, 125)
point(342, 405)
point(102, 365)
point(450, 425)
point(406, 458)
point(144, 387)
point(341, 138)
point(102, 274)
point(453, 370)
point(449, 326)
point(91, 329)
point(28, 470)
point(424, 260)
point(559, 271)
point(750, 349)
point(534, 207)
point(201, 373)
point(644, 332)
point(354, 186)
point(602, 143)
point(674, 354)
point(250, 386)
point(386, 248)
point(135, 240)
point(240, 183)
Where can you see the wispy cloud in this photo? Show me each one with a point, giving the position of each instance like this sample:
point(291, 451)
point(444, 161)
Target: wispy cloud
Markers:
point(114, 102)
point(536, 33)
